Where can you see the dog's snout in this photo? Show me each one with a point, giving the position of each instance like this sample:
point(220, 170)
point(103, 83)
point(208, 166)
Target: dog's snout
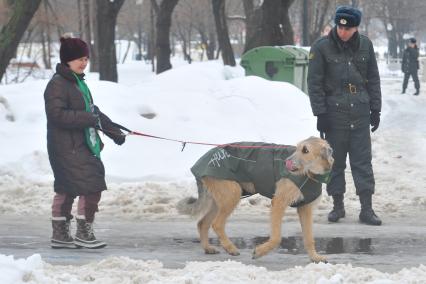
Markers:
point(290, 165)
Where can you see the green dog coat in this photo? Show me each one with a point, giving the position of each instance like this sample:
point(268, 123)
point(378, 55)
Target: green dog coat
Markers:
point(261, 166)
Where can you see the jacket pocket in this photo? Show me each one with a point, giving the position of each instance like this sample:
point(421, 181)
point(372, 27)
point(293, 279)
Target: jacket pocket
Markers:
point(361, 63)
point(361, 104)
point(337, 103)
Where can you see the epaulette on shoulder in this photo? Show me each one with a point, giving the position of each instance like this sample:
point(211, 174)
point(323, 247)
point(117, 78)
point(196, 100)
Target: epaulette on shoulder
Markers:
point(321, 40)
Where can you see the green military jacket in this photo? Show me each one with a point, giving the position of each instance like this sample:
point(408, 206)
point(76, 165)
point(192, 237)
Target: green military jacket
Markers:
point(261, 166)
point(343, 80)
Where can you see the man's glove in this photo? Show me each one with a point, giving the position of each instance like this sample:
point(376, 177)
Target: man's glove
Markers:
point(374, 120)
point(322, 122)
point(119, 139)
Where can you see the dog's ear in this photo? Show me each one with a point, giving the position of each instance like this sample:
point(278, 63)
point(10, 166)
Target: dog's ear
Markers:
point(327, 154)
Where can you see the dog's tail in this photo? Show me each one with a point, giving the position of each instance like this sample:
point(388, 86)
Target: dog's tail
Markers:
point(196, 207)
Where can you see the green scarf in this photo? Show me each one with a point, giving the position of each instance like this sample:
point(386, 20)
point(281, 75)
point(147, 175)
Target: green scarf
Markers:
point(93, 140)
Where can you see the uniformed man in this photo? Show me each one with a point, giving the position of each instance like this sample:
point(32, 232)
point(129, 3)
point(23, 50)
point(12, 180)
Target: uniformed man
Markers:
point(345, 95)
point(410, 65)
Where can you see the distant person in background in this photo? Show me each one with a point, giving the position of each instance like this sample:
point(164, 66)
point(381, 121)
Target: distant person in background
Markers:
point(74, 147)
point(410, 65)
point(344, 90)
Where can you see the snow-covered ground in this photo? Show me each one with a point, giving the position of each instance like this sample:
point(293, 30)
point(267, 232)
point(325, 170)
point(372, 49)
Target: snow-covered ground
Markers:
point(202, 102)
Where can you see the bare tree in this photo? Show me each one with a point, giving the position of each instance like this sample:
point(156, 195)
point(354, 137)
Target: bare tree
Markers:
point(222, 32)
point(253, 17)
point(10, 34)
point(184, 20)
point(344, 2)
point(163, 22)
point(319, 12)
point(107, 12)
point(395, 16)
point(193, 21)
point(46, 37)
point(94, 51)
point(87, 31)
point(270, 23)
point(80, 19)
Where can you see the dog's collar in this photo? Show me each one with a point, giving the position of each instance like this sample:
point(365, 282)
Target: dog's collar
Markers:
point(324, 178)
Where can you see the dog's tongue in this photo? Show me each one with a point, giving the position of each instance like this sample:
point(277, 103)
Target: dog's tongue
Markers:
point(289, 165)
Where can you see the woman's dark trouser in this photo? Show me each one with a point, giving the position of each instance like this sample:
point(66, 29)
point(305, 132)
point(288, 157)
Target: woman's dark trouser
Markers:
point(356, 143)
point(87, 205)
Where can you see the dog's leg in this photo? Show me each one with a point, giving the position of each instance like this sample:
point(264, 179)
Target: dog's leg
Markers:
point(285, 194)
point(306, 221)
point(226, 195)
point(204, 226)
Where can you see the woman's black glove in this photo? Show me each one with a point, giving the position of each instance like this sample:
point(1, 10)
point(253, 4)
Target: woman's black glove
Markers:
point(322, 122)
point(374, 120)
point(119, 139)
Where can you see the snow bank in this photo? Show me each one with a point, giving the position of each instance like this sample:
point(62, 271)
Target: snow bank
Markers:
point(125, 270)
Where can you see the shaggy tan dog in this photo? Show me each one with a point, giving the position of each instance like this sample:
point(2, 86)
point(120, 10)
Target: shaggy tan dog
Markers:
point(224, 173)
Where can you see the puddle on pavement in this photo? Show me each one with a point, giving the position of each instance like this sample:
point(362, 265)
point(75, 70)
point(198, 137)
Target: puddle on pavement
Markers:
point(294, 245)
point(338, 245)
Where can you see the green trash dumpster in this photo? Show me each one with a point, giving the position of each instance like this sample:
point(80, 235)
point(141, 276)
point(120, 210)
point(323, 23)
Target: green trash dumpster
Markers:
point(278, 63)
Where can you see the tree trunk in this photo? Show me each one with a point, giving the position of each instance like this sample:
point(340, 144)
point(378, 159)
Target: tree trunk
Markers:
point(80, 20)
point(11, 33)
point(87, 24)
point(253, 17)
point(305, 23)
point(94, 58)
point(43, 47)
point(343, 3)
point(222, 32)
point(272, 25)
point(151, 39)
point(48, 53)
point(107, 12)
point(211, 46)
point(163, 23)
point(139, 39)
point(319, 20)
point(287, 29)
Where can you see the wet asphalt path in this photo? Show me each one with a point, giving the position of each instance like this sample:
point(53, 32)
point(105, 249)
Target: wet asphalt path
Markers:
point(391, 247)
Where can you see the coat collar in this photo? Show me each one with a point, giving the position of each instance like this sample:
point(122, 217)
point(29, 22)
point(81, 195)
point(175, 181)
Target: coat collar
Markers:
point(353, 43)
point(66, 72)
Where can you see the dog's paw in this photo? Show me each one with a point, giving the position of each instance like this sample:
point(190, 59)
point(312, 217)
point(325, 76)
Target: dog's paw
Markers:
point(319, 258)
point(232, 250)
point(256, 254)
point(261, 250)
point(253, 255)
point(211, 250)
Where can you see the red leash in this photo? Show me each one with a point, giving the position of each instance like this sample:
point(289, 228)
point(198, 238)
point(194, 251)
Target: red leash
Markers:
point(209, 144)
point(130, 132)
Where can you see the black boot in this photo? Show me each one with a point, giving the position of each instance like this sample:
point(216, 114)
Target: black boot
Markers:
point(85, 237)
point(417, 92)
point(338, 209)
point(367, 214)
point(403, 91)
point(61, 237)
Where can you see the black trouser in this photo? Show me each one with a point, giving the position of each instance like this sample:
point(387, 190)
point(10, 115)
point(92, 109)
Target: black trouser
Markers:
point(415, 79)
point(356, 143)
